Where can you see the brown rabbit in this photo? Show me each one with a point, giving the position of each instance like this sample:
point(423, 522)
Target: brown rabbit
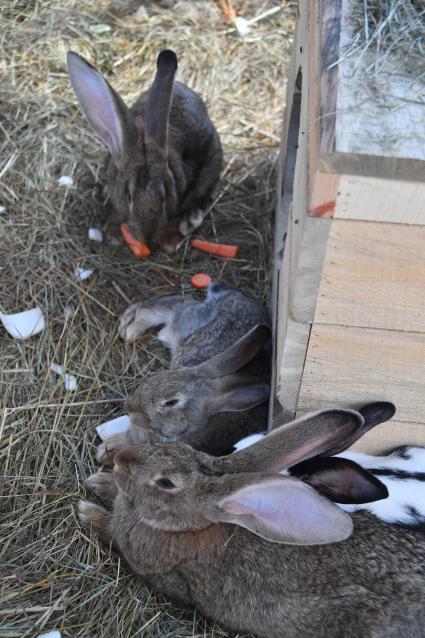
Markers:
point(251, 548)
point(165, 155)
point(217, 388)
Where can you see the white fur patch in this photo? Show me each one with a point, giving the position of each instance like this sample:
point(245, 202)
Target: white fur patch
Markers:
point(406, 501)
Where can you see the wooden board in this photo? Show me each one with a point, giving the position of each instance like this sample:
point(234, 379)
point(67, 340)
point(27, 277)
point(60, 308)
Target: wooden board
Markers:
point(386, 436)
point(374, 276)
point(350, 366)
point(374, 199)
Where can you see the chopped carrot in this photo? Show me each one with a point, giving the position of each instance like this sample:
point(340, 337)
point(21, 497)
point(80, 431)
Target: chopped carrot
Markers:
point(138, 248)
point(200, 280)
point(221, 250)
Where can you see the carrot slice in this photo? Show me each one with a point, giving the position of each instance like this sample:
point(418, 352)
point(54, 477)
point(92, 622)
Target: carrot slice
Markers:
point(138, 248)
point(200, 280)
point(221, 250)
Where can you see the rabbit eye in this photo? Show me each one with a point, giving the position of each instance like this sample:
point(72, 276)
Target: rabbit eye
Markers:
point(165, 483)
point(171, 403)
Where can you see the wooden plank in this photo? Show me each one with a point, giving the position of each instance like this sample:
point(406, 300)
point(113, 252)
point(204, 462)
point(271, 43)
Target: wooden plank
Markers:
point(291, 368)
point(330, 51)
point(374, 276)
point(324, 191)
point(385, 200)
point(306, 283)
point(386, 436)
point(354, 366)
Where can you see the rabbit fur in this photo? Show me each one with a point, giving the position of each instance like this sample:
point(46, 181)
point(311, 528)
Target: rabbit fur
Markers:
point(252, 549)
point(165, 155)
point(217, 388)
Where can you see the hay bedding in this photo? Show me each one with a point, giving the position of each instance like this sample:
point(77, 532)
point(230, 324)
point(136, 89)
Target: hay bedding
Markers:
point(54, 574)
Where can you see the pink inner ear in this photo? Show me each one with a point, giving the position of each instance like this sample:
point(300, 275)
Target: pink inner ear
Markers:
point(288, 511)
point(97, 102)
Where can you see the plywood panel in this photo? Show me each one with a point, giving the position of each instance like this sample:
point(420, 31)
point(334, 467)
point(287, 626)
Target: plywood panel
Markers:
point(374, 276)
point(291, 367)
point(374, 199)
point(352, 366)
point(386, 436)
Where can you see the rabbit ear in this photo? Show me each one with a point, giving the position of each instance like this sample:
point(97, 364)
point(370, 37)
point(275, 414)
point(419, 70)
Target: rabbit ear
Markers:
point(239, 398)
point(341, 480)
point(373, 414)
point(160, 98)
point(309, 436)
point(284, 510)
point(240, 353)
point(103, 107)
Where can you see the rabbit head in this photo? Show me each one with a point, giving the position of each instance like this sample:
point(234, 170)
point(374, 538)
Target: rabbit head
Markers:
point(174, 403)
point(139, 182)
point(176, 488)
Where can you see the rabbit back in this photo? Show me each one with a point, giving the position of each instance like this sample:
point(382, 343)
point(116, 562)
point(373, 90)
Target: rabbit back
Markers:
point(205, 329)
point(351, 589)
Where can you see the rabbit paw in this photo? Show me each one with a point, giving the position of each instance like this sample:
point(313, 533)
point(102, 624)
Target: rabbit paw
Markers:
point(102, 484)
point(106, 451)
point(97, 517)
point(170, 240)
point(188, 225)
point(131, 324)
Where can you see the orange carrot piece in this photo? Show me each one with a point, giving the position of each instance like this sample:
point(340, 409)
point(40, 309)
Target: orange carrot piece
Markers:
point(221, 250)
point(138, 248)
point(200, 280)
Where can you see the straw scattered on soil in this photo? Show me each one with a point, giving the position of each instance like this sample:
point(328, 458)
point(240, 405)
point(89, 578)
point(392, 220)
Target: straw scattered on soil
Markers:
point(54, 574)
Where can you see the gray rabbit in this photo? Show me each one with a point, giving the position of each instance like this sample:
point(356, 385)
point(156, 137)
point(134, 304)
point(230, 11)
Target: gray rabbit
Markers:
point(217, 387)
point(165, 155)
point(251, 548)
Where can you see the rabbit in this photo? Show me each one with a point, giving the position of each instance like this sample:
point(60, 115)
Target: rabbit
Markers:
point(402, 471)
point(254, 550)
point(165, 155)
point(209, 397)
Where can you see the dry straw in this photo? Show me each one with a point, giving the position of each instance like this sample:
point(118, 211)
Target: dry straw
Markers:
point(54, 574)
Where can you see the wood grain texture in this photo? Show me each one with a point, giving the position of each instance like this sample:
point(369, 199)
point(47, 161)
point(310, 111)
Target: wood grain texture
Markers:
point(324, 191)
point(291, 367)
point(374, 276)
point(386, 436)
point(330, 50)
point(375, 199)
point(308, 273)
point(354, 366)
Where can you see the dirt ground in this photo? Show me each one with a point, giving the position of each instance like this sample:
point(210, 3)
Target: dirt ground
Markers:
point(54, 574)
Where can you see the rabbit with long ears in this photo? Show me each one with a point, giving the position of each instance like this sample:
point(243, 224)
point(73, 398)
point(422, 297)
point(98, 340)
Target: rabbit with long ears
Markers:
point(217, 387)
point(165, 155)
point(244, 544)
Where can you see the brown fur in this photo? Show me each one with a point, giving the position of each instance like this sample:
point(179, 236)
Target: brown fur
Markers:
point(218, 381)
point(175, 541)
point(165, 155)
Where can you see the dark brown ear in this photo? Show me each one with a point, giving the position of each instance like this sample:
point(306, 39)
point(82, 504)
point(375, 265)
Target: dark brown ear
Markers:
point(238, 355)
point(103, 107)
point(160, 98)
point(237, 393)
point(309, 436)
point(373, 414)
point(341, 480)
point(125, 466)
